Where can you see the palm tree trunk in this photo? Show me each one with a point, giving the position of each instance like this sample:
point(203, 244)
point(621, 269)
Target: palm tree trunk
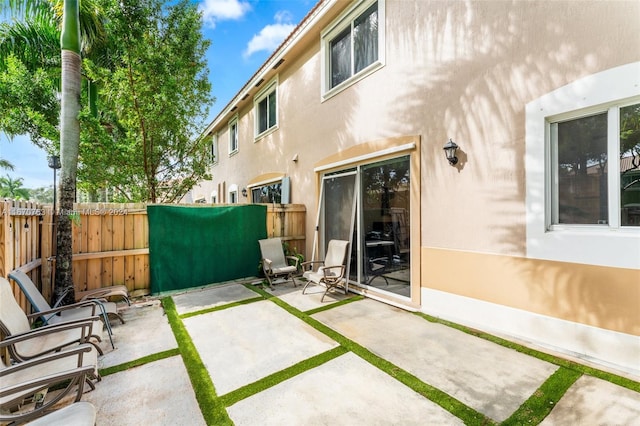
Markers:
point(69, 146)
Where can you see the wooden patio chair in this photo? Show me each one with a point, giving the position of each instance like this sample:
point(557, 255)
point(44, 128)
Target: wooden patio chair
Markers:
point(57, 314)
point(329, 272)
point(274, 262)
point(30, 343)
point(24, 385)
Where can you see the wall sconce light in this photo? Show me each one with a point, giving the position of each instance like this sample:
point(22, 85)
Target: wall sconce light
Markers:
point(450, 149)
point(244, 192)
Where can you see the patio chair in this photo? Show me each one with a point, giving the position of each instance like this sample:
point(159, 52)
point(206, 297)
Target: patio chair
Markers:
point(78, 414)
point(376, 268)
point(50, 338)
point(274, 262)
point(57, 314)
point(330, 272)
point(25, 385)
point(116, 291)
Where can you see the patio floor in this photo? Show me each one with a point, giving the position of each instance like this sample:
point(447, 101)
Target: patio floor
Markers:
point(283, 361)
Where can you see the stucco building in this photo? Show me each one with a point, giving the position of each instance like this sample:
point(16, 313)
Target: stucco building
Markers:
point(534, 233)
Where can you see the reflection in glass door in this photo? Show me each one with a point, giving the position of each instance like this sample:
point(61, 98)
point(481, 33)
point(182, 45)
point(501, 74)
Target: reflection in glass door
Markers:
point(378, 221)
point(384, 225)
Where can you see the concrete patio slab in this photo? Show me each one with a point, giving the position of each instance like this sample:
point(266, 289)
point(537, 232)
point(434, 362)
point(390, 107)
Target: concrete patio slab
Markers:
point(344, 391)
point(157, 393)
point(211, 297)
point(245, 343)
point(146, 331)
point(487, 377)
point(310, 300)
point(596, 402)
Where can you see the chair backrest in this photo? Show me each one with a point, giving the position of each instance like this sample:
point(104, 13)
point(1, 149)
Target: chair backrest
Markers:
point(271, 249)
point(13, 320)
point(336, 253)
point(38, 302)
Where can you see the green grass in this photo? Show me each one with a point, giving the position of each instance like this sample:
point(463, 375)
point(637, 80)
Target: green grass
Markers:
point(137, 362)
point(540, 404)
point(211, 406)
point(571, 365)
point(280, 376)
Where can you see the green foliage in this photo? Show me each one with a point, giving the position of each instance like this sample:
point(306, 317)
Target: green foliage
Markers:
point(12, 188)
point(42, 195)
point(28, 103)
point(153, 101)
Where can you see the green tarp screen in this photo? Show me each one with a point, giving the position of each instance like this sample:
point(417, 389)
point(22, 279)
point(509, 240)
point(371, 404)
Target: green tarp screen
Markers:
point(193, 246)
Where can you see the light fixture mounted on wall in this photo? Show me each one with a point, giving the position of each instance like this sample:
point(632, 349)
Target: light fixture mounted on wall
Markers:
point(244, 192)
point(450, 149)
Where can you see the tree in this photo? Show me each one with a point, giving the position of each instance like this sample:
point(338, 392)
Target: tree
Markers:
point(69, 146)
point(4, 164)
point(42, 195)
point(153, 101)
point(12, 188)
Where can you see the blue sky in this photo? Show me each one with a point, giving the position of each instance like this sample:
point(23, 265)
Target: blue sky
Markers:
point(243, 33)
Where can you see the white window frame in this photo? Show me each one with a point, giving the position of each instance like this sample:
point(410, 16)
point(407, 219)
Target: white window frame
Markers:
point(214, 197)
point(345, 20)
point(233, 123)
point(271, 88)
point(233, 194)
point(215, 152)
point(608, 245)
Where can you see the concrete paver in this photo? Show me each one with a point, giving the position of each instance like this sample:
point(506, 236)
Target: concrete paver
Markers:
point(487, 377)
point(157, 393)
point(344, 391)
point(145, 332)
point(591, 401)
point(245, 343)
point(211, 297)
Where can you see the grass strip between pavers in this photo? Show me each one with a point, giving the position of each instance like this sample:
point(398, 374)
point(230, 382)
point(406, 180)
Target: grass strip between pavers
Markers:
point(544, 399)
point(138, 362)
point(280, 376)
point(211, 406)
point(221, 307)
point(572, 365)
point(467, 414)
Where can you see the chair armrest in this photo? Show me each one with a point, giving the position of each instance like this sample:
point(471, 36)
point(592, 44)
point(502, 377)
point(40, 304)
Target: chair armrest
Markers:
point(332, 275)
point(84, 324)
point(76, 352)
point(54, 311)
point(295, 260)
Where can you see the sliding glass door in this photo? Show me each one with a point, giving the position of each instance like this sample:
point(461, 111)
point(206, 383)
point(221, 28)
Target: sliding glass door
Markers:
point(369, 206)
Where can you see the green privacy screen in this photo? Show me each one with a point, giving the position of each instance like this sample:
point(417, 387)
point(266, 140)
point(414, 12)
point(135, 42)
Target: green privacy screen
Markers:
point(194, 246)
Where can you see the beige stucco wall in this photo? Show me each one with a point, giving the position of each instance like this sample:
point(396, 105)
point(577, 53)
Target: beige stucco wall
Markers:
point(460, 70)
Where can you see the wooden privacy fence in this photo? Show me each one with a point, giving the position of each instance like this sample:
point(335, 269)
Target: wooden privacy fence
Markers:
point(110, 243)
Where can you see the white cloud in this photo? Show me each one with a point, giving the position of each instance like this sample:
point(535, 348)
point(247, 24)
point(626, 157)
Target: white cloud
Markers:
point(270, 37)
point(220, 10)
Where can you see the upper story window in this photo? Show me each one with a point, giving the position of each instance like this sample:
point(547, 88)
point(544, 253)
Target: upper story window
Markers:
point(233, 136)
point(353, 46)
point(214, 149)
point(266, 109)
point(583, 171)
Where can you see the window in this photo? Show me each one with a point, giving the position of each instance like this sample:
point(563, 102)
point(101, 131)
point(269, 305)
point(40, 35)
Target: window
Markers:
point(354, 45)
point(583, 151)
point(271, 193)
point(266, 110)
point(233, 136)
point(214, 149)
point(583, 169)
point(233, 197)
point(276, 190)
